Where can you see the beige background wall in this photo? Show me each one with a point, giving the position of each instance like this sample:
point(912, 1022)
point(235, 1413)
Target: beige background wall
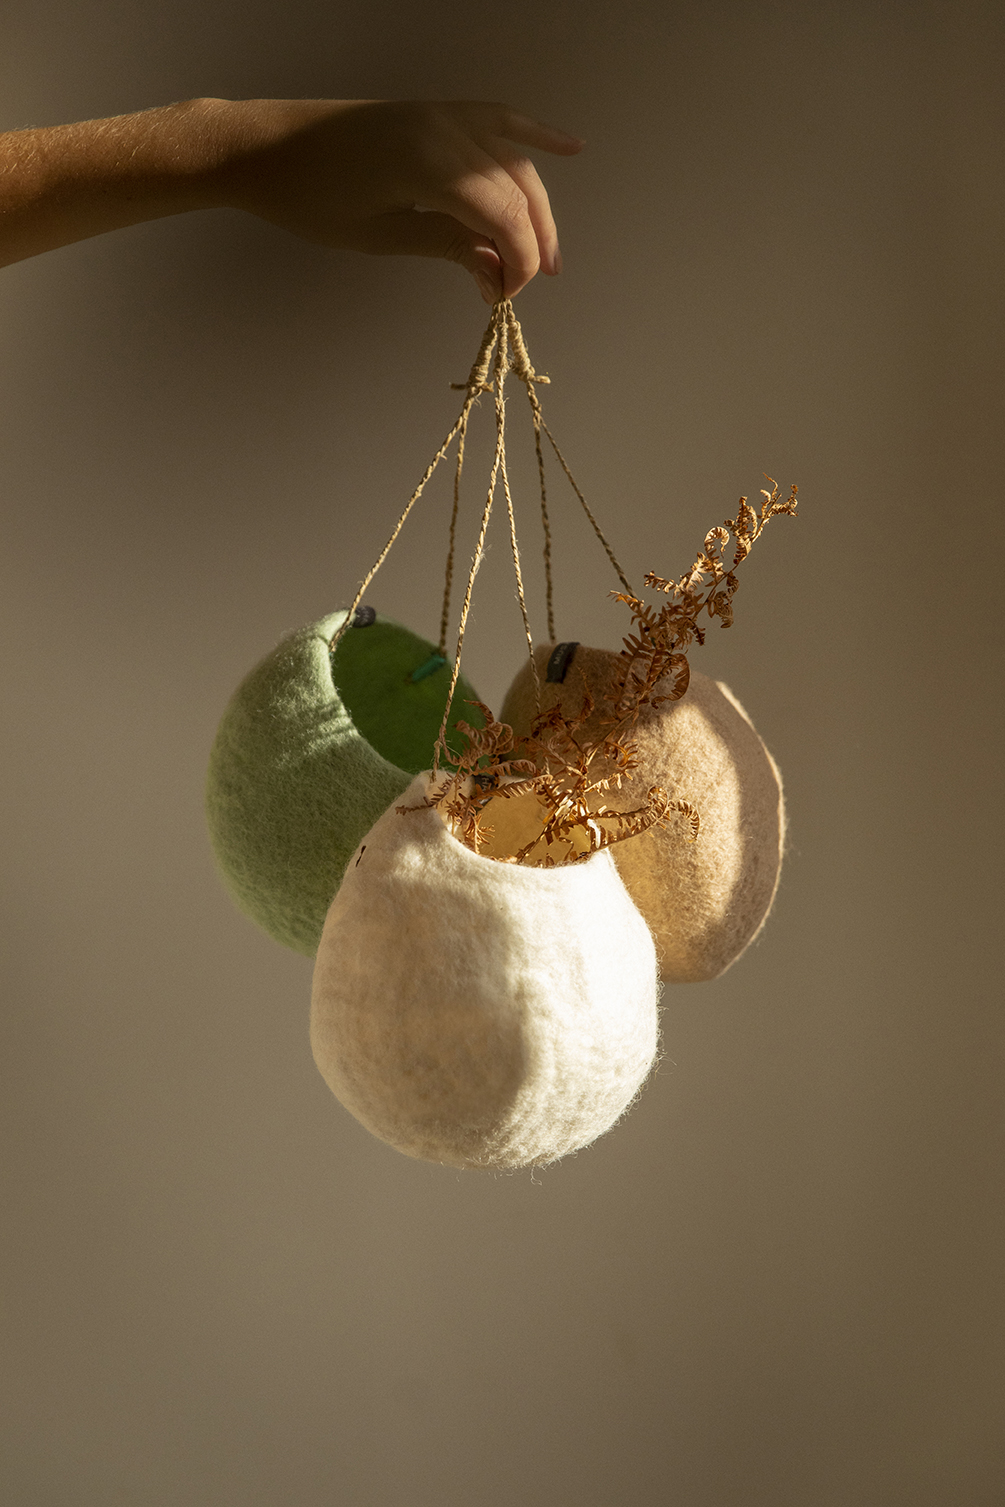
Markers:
point(779, 1282)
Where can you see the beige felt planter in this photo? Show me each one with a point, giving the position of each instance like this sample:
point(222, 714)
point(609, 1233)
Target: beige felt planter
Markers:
point(704, 901)
point(478, 1013)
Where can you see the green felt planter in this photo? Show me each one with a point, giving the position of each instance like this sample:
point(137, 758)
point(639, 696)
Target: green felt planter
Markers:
point(309, 755)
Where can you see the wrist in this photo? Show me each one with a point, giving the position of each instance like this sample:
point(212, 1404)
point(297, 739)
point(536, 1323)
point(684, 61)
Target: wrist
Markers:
point(251, 135)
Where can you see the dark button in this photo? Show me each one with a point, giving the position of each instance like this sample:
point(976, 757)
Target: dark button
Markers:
point(364, 617)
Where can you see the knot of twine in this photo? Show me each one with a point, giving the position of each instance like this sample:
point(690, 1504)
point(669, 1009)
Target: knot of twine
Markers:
point(478, 380)
point(522, 366)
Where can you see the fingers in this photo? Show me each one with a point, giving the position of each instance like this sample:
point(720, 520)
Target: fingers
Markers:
point(470, 168)
point(507, 212)
point(506, 202)
point(409, 233)
point(525, 175)
point(493, 206)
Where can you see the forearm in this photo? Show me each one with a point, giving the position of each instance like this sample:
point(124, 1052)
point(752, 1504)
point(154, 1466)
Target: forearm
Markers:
point(67, 183)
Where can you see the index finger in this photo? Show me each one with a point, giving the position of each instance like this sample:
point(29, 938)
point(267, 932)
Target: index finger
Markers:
point(500, 120)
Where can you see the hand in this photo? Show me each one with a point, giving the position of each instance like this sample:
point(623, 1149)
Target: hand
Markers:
point(359, 174)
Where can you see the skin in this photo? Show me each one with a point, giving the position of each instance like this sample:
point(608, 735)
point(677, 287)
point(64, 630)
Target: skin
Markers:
point(387, 177)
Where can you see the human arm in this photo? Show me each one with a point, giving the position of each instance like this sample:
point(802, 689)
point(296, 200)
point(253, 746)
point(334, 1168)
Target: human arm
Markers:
point(351, 174)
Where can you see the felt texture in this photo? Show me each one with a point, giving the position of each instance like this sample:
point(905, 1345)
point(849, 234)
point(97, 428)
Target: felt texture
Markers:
point(705, 901)
point(477, 1013)
point(300, 770)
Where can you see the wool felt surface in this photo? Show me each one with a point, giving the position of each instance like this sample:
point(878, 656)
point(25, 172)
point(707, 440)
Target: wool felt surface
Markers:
point(307, 757)
point(479, 1013)
point(704, 901)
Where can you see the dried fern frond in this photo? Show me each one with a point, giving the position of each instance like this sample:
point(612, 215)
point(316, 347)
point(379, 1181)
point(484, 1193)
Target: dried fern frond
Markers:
point(665, 635)
point(566, 771)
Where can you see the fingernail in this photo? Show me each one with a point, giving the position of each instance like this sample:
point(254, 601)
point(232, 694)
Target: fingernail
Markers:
point(556, 261)
point(569, 135)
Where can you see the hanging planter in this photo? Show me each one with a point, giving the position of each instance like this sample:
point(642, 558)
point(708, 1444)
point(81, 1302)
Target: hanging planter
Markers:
point(704, 901)
point(312, 748)
point(477, 1013)
point(486, 981)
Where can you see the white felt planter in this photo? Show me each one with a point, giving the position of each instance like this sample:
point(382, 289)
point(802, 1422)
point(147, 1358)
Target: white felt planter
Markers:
point(705, 901)
point(477, 1013)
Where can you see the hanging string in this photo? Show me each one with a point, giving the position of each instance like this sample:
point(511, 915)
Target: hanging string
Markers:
point(347, 621)
point(475, 385)
point(549, 592)
point(586, 509)
point(445, 614)
point(478, 380)
point(499, 376)
point(500, 428)
point(502, 349)
point(524, 370)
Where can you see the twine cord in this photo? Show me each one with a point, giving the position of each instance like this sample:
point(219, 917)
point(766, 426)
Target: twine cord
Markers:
point(549, 591)
point(478, 380)
point(501, 363)
point(501, 423)
point(525, 371)
point(475, 385)
point(347, 621)
point(523, 368)
point(586, 509)
point(445, 614)
point(502, 350)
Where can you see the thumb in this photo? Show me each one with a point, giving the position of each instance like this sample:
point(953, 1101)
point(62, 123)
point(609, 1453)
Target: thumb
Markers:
point(413, 232)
